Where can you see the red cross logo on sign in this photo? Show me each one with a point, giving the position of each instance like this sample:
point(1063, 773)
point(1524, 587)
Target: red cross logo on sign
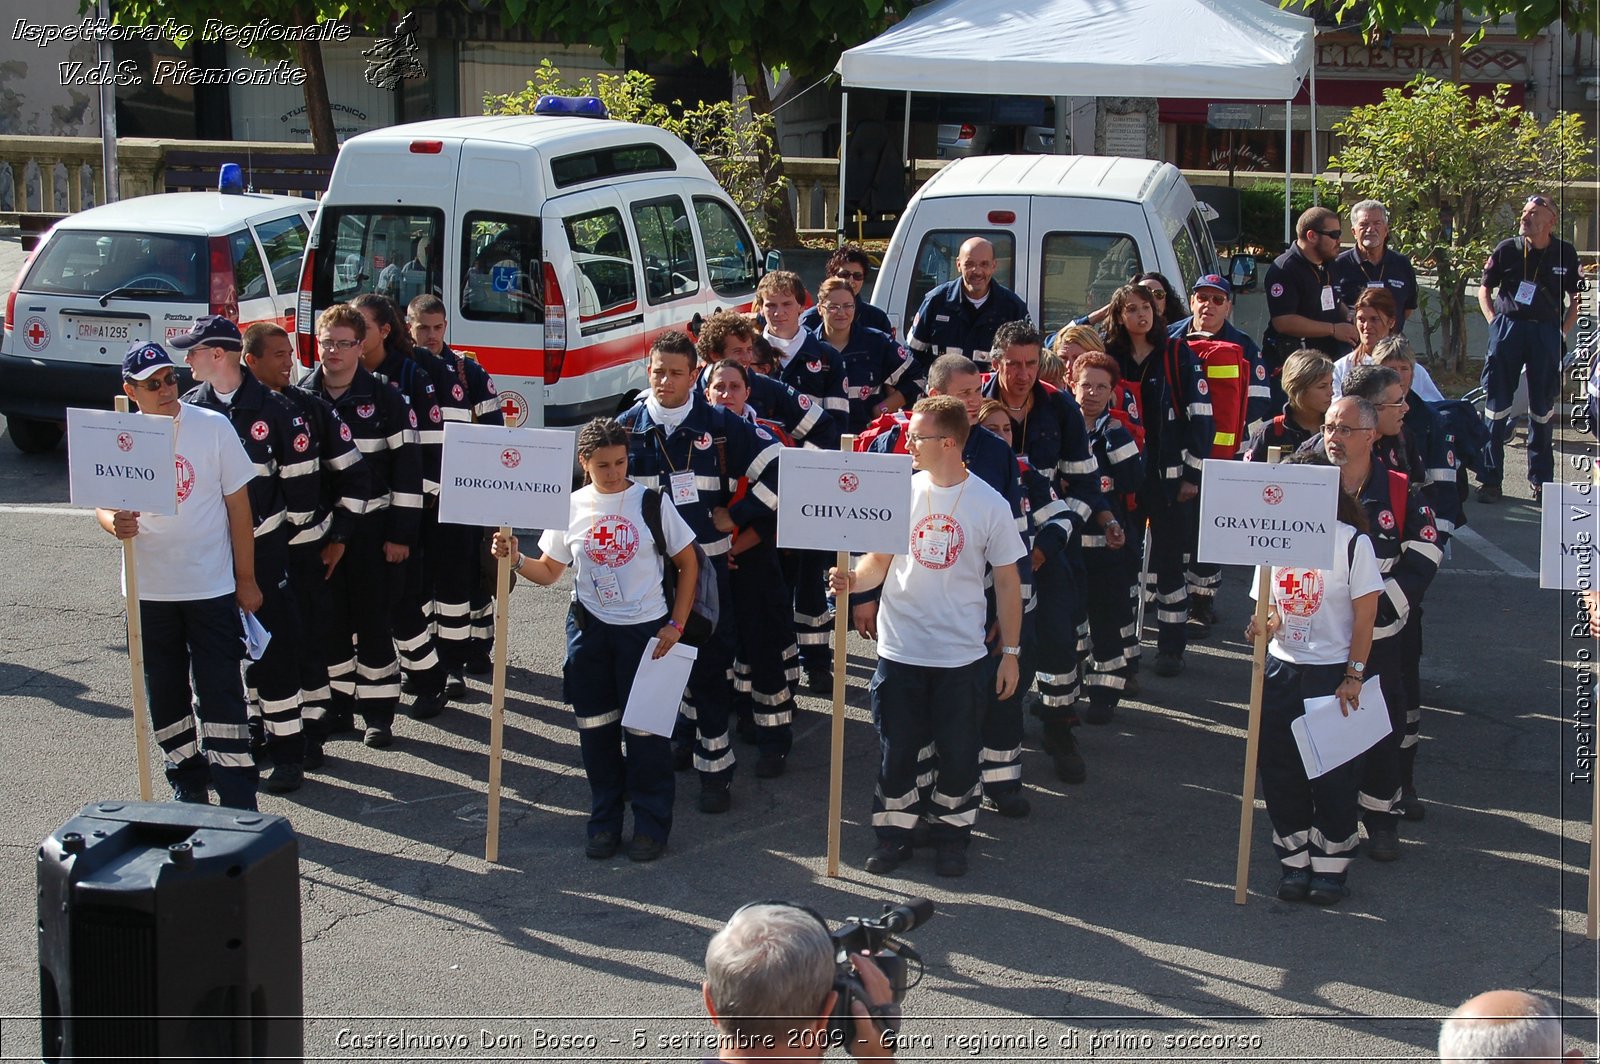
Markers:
point(124, 441)
point(511, 458)
point(1272, 495)
point(849, 482)
point(35, 333)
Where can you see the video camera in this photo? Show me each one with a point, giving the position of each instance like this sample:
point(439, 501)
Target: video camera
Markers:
point(875, 937)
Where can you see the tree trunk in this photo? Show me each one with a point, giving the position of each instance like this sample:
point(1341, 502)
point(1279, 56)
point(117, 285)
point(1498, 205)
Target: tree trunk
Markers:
point(1452, 319)
point(781, 228)
point(319, 110)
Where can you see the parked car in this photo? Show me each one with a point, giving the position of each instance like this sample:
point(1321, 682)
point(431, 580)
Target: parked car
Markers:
point(140, 269)
point(958, 140)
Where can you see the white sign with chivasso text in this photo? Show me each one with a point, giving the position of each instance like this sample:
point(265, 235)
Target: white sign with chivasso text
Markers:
point(492, 476)
point(857, 501)
point(122, 461)
point(1252, 513)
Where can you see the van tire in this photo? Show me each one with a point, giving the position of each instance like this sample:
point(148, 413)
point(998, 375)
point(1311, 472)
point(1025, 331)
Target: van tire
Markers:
point(34, 437)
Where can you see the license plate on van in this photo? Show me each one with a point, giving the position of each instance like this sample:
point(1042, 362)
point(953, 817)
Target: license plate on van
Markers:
point(106, 330)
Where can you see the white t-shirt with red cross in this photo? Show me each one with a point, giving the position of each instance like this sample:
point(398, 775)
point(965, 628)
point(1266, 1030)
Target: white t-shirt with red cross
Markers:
point(932, 609)
point(189, 557)
point(618, 571)
point(1315, 604)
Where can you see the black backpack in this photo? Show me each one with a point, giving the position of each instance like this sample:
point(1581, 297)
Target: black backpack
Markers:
point(702, 622)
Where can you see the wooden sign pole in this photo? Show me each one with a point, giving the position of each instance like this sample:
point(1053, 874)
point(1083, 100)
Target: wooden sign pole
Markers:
point(1592, 931)
point(841, 634)
point(497, 702)
point(1252, 743)
point(141, 708)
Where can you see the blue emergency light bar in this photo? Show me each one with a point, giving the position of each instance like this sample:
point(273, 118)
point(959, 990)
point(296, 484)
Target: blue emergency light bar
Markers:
point(230, 181)
point(571, 106)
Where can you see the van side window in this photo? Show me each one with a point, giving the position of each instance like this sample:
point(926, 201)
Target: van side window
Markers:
point(605, 265)
point(666, 247)
point(1081, 271)
point(1201, 232)
point(730, 252)
point(392, 251)
point(502, 267)
point(249, 275)
point(936, 261)
point(1188, 259)
point(284, 240)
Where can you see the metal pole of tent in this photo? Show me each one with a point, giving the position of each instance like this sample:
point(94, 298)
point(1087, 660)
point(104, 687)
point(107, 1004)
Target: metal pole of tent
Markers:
point(905, 137)
point(1062, 116)
point(108, 126)
point(1288, 169)
point(844, 126)
point(1316, 190)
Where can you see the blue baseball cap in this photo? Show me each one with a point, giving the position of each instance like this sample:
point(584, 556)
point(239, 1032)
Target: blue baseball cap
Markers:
point(144, 359)
point(210, 330)
point(1214, 280)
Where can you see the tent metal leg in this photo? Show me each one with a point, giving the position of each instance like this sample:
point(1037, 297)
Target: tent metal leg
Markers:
point(844, 140)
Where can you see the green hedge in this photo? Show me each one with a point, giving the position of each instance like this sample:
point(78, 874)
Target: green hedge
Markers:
point(1261, 213)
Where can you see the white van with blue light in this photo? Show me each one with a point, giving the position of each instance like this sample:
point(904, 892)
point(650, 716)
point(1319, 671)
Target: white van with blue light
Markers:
point(562, 244)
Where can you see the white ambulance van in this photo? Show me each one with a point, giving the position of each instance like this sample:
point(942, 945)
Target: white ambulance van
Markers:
point(561, 244)
point(1067, 231)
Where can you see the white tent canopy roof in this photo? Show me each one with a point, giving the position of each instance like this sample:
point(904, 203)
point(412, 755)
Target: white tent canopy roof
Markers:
point(1222, 49)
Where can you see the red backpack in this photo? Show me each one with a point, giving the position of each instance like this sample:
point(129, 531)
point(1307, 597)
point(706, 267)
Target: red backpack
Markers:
point(1124, 406)
point(1226, 379)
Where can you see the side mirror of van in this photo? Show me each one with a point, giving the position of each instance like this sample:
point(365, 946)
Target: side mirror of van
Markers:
point(1242, 271)
point(774, 261)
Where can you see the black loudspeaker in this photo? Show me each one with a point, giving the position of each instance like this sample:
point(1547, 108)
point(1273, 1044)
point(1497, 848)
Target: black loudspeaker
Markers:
point(170, 931)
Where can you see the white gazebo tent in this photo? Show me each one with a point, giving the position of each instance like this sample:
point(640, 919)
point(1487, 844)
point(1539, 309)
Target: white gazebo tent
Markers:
point(1196, 49)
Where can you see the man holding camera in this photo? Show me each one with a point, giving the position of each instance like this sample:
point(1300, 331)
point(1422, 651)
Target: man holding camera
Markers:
point(770, 990)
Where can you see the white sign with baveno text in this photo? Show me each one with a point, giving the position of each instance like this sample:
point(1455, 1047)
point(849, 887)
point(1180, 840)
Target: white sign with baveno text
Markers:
point(492, 476)
point(1252, 513)
point(122, 461)
point(857, 501)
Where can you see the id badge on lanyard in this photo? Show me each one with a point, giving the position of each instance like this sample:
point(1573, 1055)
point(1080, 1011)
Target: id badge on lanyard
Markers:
point(1327, 297)
point(683, 488)
point(1525, 293)
point(933, 547)
point(606, 587)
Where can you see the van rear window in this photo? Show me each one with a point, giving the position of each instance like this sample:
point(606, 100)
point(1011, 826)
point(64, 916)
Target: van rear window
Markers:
point(1080, 273)
point(567, 170)
point(502, 259)
point(91, 263)
point(936, 261)
point(394, 252)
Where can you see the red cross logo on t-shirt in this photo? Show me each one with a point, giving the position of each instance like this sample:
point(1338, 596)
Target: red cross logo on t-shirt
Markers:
point(1289, 582)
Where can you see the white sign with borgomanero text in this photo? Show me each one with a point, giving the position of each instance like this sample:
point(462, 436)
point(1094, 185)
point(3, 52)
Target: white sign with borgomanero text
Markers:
point(856, 501)
point(122, 461)
point(1253, 513)
point(492, 476)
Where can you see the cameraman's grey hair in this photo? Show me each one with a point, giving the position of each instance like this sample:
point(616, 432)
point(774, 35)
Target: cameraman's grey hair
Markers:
point(769, 970)
point(1397, 348)
point(1535, 1035)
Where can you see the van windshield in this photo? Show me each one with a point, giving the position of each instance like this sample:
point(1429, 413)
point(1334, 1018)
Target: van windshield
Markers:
point(1081, 271)
point(396, 253)
point(91, 263)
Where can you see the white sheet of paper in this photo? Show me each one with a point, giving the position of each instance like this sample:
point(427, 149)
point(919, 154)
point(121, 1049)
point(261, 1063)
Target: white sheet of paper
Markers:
point(256, 636)
point(658, 689)
point(1569, 531)
point(1328, 738)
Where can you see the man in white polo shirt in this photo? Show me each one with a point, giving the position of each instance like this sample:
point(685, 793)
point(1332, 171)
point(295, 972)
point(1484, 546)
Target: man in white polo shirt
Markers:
point(196, 572)
point(929, 687)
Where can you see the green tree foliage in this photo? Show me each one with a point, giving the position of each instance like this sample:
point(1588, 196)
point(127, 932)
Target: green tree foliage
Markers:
point(1451, 169)
point(1532, 17)
point(735, 142)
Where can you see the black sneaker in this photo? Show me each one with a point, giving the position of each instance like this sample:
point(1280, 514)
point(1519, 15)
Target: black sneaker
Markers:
point(1411, 807)
point(1167, 665)
point(339, 723)
point(191, 795)
point(887, 857)
point(1325, 891)
point(1130, 686)
point(602, 846)
point(1490, 493)
point(455, 685)
point(770, 766)
point(314, 757)
point(715, 800)
point(408, 684)
point(820, 681)
point(1538, 493)
point(950, 859)
point(644, 848)
point(1013, 804)
point(426, 707)
point(1295, 884)
point(1063, 749)
point(378, 736)
point(1099, 713)
point(285, 778)
point(479, 664)
point(1384, 845)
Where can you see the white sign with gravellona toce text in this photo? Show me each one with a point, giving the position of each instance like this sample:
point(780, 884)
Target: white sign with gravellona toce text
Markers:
point(1252, 513)
point(492, 476)
point(856, 501)
point(122, 461)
